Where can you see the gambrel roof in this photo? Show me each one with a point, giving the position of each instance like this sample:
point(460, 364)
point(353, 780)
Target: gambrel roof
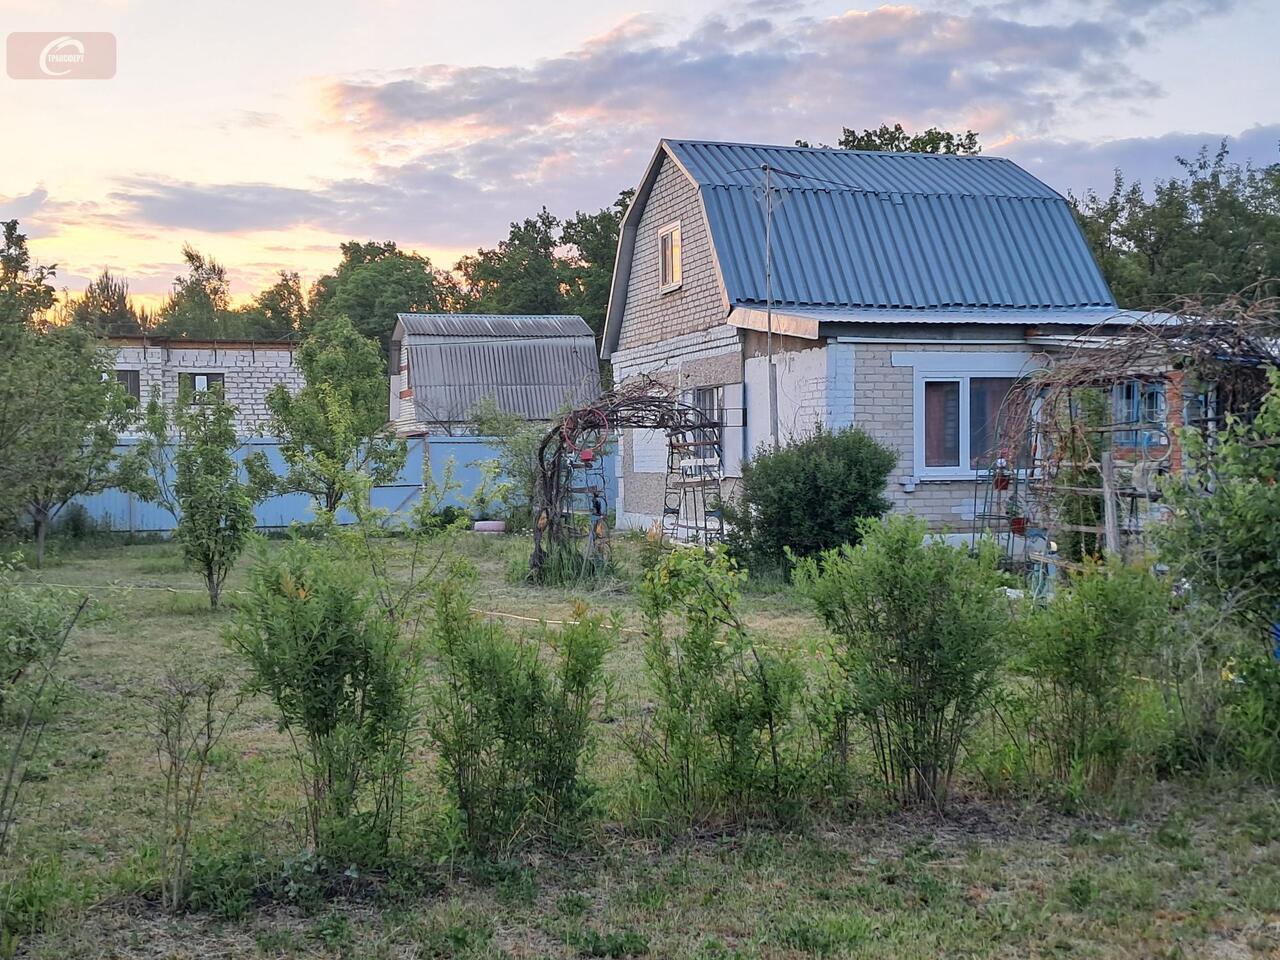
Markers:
point(533, 366)
point(880, 231)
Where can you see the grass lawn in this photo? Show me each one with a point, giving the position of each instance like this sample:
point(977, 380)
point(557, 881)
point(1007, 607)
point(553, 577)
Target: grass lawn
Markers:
point(1185, 869)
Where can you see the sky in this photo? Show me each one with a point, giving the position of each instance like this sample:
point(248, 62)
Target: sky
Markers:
point(266, 133)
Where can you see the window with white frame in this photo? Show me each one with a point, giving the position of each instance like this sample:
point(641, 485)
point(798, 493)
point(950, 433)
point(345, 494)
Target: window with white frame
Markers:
point(189, 383)
point(709, 401)
point(961, 421)
point(958, 410)
point(669, 271)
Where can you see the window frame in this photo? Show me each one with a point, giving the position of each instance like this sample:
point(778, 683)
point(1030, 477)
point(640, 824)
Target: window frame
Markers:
point(716, 392)
point(962, 418)
point(130, 379)
point(671, 229)
point(954, 366)
point(189, 377)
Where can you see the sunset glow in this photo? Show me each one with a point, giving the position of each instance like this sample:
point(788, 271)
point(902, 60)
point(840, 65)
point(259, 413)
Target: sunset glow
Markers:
point(435, 125)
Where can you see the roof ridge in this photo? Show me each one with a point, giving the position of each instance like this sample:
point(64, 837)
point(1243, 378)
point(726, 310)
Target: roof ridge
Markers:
point(841, 150)
point(832, 187)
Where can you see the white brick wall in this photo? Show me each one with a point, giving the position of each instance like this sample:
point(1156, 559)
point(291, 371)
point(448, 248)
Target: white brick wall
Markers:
point(802, 395)
point(249, 372)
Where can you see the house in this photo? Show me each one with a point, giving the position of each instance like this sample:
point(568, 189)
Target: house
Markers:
point(907, 293)
point(246, 370)
point(443, 364)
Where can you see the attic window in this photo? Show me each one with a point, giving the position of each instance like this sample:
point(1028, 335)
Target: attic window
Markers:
point(669, 272)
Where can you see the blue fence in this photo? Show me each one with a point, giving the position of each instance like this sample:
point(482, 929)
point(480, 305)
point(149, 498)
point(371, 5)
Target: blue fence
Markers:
point(125, 512)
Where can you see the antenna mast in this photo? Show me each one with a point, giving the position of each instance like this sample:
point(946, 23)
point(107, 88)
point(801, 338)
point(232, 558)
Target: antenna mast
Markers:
point(768, 302)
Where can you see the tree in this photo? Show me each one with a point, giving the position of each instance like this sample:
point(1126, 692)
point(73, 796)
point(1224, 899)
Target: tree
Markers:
point(200, 304)
point(1211, 232)
point(593, 242)
point(522, 274)
point(279, 311)
point(104, 307)
point(338, 421)
point(896, 139)
point(215, 508)
point(374, 282)
point(60, 413)
point(25, 291)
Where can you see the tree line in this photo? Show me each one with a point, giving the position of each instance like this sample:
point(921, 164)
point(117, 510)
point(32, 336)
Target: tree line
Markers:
point(545, 265)
point(1210, 231)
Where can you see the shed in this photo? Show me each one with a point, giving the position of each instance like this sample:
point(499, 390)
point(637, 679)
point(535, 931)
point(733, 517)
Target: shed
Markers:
point(443, 364)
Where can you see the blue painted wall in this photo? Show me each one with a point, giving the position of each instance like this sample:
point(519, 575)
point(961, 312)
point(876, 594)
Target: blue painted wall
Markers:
point(125, 512)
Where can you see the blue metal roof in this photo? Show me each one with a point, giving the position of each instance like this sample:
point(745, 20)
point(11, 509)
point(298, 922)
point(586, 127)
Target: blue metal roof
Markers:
point(891, 230)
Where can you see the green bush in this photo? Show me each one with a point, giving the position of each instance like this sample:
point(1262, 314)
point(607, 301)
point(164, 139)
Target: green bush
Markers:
point(32, 619)
point(1081, 655)
point(513, 730)
point(724, 723)
point(809, 496)
point(1252, 715)
point(917, 626)
point(326, 652)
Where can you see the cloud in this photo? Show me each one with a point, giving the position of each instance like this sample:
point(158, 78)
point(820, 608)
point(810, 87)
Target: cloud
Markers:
point(457, 152)
point(1077, 166)
point(24, 205)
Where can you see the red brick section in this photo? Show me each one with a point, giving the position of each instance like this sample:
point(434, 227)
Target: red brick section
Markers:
point(1173, 416)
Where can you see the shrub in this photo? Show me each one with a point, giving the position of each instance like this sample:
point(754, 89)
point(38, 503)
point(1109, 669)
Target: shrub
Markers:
point(808, 496)
point(513, 732)
point(724, 713)
point(1224, 533)
point(917, 626)
point(35, 645)
point(1252, 714)
point(1080, 654)
point(328, 655)
point(32, 619)
point(189, 715)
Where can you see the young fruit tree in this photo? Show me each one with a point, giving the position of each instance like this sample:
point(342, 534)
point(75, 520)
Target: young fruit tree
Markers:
point(215, 508)
point(60, 414)
point(337, 423)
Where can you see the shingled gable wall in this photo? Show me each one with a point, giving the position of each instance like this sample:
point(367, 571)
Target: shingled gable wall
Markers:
point(679, 337)
point(650, 315)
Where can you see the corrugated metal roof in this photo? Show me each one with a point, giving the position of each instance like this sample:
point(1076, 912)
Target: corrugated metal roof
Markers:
point(892, 230)
point(738, 164)
point(1088, 316)
point(493, 325)
point(532, 377)
point(878, 230)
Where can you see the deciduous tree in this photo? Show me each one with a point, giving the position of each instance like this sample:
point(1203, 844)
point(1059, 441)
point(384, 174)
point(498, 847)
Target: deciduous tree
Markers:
point(337, 422)
point(215, 507)
point(374, 282)
point(60, 414)
point(895, 138)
